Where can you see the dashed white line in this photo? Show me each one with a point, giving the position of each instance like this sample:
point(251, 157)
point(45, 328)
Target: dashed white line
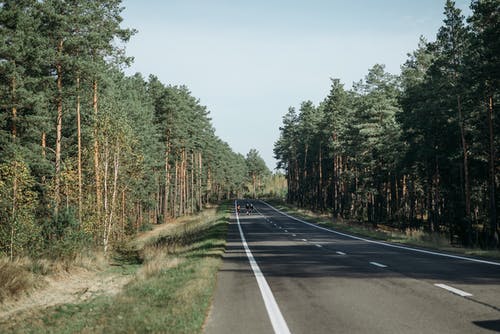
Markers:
point(273, 310)
point(340, 253)
point(286, 231)
point(304, 239)
point(319, 246)
point(383, 243)
point(453, 290)
point(380, 265)
point(294, 235)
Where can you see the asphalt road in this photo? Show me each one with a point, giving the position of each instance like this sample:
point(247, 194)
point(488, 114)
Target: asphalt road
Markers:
point(323, 282)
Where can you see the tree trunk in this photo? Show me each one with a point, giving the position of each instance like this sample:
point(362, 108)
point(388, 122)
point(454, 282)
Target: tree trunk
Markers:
point(200, 176)
point(320, 176)
point(123, 212)
point(253, 184)
point(176, 189)
point(14, 108)
point(167, 184)
point(79, 135)
point(192, 183)
point(57, 178)
point(465, 159)
point(492, 185)
point(96, 152)
point(105, 180)
point(116, 165)
point(13, 218)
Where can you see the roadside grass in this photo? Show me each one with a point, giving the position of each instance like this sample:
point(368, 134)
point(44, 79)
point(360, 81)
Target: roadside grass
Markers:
point(24, 275)
point(15, 277)
point(171, 292)
point(408, 237)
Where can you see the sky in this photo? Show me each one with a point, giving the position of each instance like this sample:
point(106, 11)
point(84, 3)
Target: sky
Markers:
point(249, 61)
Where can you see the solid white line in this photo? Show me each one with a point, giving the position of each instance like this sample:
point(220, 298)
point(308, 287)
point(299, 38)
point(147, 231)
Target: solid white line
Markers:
point(340, 253)
point(454, 290)
point(378, 264)
point(384, 243)
point(273, 310)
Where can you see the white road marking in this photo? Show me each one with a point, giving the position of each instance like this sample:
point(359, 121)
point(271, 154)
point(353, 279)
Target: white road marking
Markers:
point(340, 253)
point(294, 235)
point(319, 246)
point(454, 290)
point(378, 264)
point(304, 240)
point(383, 243)
point(273, 310)
point(286, 231)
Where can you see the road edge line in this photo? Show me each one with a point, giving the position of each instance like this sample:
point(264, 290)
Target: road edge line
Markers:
point(451, 289)
point(273, 310)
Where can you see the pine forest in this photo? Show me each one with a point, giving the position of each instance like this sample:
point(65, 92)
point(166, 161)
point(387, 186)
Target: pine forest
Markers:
point(413, 151)
point(89, 155)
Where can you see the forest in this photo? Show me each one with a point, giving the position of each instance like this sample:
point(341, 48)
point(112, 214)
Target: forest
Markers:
point(89, 155)
point(417, 150)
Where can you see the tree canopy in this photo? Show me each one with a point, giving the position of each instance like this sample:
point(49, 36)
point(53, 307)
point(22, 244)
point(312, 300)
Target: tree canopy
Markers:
point(418, 150)
point(86, 152)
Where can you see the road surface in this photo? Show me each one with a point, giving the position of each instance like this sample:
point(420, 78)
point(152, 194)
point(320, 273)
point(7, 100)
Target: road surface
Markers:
point(282, 275)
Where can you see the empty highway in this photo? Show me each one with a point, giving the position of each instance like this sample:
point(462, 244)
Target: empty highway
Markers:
point(283, 275)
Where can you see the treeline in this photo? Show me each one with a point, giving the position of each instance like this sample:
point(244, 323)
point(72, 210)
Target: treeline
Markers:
point(415, 151)
point(87, 154)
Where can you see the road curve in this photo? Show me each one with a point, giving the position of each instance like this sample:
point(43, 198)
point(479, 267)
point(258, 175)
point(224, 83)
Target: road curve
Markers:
point(324, 282)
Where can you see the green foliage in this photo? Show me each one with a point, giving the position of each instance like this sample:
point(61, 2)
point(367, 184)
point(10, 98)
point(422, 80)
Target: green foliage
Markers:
point(102, 155)
point(417, 151)
point(257, 172)
point(64, 239)
point(171, 291)
point(19, 233)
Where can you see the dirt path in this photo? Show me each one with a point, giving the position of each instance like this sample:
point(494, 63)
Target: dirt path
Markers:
point(74, 287)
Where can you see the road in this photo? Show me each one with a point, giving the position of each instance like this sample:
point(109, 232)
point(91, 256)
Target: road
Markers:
point(283, 275)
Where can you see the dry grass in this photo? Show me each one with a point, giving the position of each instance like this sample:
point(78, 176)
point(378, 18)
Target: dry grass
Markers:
point(170, 291)
point(15, 277)
point(156, 259)
point(24, 275)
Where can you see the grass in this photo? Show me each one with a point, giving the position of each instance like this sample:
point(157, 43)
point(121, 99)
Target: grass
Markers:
point(408, 237)
point(171, 292)
point(15, 277)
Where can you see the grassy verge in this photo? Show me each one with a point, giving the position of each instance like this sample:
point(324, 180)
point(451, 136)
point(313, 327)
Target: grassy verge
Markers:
point(171, 292)
point(409, 237)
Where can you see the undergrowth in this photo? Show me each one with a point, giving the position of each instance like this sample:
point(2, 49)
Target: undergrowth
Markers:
point(171, 291)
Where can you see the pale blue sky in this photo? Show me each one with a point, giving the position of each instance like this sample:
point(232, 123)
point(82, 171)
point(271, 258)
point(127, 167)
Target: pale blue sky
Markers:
point(248, 61)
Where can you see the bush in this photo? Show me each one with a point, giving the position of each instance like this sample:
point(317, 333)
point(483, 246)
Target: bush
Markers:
point(18, 231)
point(64, 239)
